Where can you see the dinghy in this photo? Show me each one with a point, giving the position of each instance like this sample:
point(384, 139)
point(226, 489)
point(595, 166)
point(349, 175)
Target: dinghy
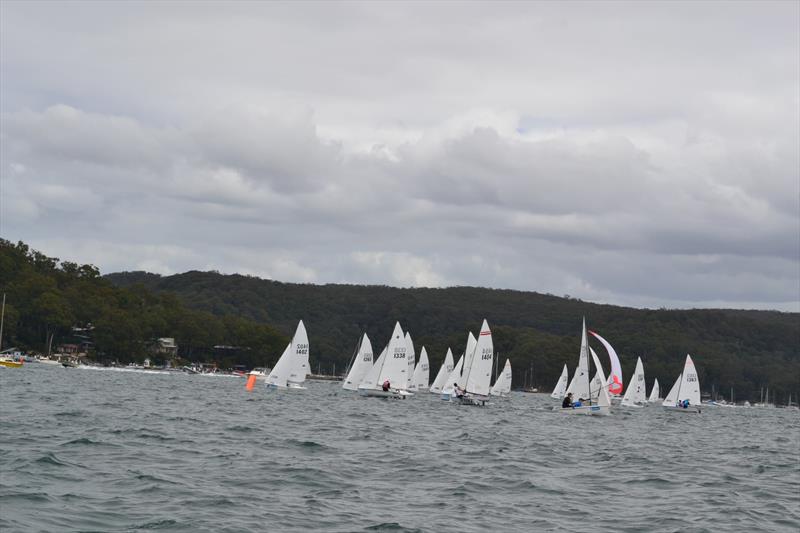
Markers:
point(655, 394)
point(561, 386)
point(443, 374)
point(421, 377)
point(362, 363)
point(684, 396)
point(456, 376)
point(636, 395)
point(503, 384)
point(410, 355)
point(615, 377)
point(292, 368)
point(581, 387)
point(477, 373)
point(391, 366)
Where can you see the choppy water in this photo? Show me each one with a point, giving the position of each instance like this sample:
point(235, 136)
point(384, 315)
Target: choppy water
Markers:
point(88, 450)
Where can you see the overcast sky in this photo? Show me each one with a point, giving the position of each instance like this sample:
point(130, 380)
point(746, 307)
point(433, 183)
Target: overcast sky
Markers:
point(638, 154)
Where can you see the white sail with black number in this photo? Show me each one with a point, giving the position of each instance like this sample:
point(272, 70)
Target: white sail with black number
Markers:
point(685, 393)
point(410, 359)
point(478, 376)
point(636, 394)
point(362, 363)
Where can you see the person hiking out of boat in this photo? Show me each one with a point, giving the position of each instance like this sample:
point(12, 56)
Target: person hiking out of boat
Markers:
point(386, 386)
point(567, 401)
point(458, 390)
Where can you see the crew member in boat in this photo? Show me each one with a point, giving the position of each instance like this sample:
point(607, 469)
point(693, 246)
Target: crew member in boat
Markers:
point(567, 401)
point(458, 390)
point(386, 386)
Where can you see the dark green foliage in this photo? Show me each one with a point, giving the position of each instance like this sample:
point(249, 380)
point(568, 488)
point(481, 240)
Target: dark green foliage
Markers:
point(731, 348)
point(46, 298)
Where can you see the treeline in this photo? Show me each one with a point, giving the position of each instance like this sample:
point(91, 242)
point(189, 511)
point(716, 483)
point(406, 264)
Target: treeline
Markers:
point(51, 301)
point(743, 350)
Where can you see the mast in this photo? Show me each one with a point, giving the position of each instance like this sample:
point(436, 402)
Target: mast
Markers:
point(2, 317)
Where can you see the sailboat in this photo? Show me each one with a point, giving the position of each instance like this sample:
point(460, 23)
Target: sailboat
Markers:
point(655, 393)
point(684, 396)
point(387, 377)
point(421, 376)
point(362, 363)
point(443, 374)
point(581, 387)
point(615, 385)
point(410, 356)
point(503, 384)
point(561, 386)
point(6, 361)
point(477, 373)
point(448, 391)
point(636, 395)
point(292, 367)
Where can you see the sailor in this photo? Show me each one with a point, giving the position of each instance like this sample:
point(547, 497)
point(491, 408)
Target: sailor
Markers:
point(386, 386)
point(567, 401)
point(458, 390)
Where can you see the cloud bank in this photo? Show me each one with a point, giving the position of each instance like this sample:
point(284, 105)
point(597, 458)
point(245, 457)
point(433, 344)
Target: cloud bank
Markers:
point(639, 155)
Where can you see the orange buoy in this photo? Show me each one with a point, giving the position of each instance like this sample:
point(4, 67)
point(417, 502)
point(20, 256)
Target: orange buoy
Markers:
point(251, 382)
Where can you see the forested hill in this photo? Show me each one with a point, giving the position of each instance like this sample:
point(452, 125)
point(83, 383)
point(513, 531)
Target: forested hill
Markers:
point(732, 348)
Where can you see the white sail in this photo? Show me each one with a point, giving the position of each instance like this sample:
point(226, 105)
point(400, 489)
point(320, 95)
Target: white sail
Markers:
point(361, 365)
point(579, 386)
point(370, 380)
point(561, 386)
point(281, 370)
point(468, 353)
point(454, 378)
point(300, 364)
point(636, 394)
point(598, 381)
point(395, 367)
point(478, 375)
point(503, 384)
point(615, 377)
point(422, 372)
point(655, 393)
point(444, 373)
point(672, 397)
point(601, 395)
point(687, 386)
point(292, 366)
point(410, 358)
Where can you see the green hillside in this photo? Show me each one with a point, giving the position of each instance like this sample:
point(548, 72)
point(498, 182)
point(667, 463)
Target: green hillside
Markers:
point(732, 348)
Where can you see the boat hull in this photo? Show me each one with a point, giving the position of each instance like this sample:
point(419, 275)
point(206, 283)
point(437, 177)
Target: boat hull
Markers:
point(10, 364)
point(592, 410)
point(380, 393)
point(473, 399)
point(675, 409)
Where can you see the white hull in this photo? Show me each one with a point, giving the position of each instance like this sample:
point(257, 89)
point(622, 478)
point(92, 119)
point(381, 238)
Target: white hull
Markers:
point(380, 393)
point(290, 386)
point(676, 409)
point(596, 410)
point(473, 399)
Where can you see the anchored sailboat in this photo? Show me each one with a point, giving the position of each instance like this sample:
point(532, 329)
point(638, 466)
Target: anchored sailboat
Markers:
point(503, 384)
point(684, 396)
point(362, 363)
point(443, 374)
point(292, 368)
